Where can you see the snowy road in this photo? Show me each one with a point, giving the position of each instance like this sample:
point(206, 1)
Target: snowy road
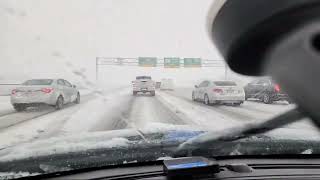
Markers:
point(10, 117)
point(251, 110)
point(115, 110)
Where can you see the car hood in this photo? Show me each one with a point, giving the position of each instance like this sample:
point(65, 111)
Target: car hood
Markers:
point(93, 149)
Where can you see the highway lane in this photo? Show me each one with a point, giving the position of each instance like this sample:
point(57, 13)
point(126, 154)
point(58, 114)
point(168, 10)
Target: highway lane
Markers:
point(13, 118)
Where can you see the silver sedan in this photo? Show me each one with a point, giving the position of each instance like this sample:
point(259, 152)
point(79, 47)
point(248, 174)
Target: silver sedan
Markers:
point(54, 92)
point(219, 92)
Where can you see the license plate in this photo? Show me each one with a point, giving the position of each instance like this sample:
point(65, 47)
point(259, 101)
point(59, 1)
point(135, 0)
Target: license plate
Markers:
point(144, 89)
point(230, 91)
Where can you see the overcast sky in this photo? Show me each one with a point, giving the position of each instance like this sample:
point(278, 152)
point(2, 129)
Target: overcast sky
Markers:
point(39, 36)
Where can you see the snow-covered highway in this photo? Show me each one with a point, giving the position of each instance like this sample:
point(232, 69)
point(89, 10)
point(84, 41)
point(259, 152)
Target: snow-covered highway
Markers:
point(116, 110)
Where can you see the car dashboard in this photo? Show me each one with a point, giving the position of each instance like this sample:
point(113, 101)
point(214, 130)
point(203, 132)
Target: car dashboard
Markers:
point(230, 168)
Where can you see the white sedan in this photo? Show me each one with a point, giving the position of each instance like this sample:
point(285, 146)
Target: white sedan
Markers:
point(54, 92)
point(219, 92)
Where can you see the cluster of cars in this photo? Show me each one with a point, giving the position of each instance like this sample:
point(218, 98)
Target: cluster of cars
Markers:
point(219, 92)
point(229, 92)
point(145, 84)
point(35, 92)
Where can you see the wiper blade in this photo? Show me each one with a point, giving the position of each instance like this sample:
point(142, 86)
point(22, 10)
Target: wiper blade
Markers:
point(206, 140)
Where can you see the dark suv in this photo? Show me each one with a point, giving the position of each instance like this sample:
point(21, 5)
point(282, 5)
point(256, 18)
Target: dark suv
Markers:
point(266, 90)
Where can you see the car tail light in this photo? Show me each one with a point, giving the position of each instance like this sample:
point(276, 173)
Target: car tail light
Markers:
point(218, 91)
point(47, 90)
point(277, 88)
point(14, 92)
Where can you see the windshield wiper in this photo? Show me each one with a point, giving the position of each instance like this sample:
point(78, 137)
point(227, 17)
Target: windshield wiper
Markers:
point(208, 139)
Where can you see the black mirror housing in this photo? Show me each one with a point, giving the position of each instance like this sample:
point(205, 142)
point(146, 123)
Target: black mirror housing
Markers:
point(246, 32)
point(280, 39)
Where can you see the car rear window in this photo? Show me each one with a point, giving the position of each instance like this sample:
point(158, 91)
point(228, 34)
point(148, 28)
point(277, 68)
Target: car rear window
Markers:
point(38, 82)
point(143, 77)
point(224, 83)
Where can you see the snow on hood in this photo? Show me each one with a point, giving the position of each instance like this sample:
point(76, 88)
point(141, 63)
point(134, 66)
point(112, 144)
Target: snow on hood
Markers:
point(70, 143)
point(276, 134)
point(15, 175)
point(119, 138)
point(84, 141)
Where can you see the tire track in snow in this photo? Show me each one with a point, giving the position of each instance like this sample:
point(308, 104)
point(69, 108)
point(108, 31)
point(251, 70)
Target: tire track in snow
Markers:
point(201, 116)
point(221, 110)
point(147, 110)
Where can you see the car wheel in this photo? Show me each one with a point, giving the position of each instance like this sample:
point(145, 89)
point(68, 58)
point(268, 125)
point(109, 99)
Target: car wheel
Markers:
point(266, 99)
point(134, 93)
point(290, 101)
point(77, 101)
point(206, 100)
point(19, 107)
point(236, 104)
point(246, 97)
point(153, 93)
point(59, 103)
point(193, 97)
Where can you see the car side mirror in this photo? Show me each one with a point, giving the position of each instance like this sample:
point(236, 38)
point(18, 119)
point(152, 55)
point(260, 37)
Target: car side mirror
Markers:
point(196, 86)
point(74, 86)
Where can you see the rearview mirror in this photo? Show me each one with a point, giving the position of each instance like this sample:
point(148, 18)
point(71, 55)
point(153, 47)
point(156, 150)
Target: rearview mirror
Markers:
point(196, 86)
point(74, 86)
point(251, 46)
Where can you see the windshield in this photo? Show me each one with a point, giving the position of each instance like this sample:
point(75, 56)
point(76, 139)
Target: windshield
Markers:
point(38, 82)
point(97, 51)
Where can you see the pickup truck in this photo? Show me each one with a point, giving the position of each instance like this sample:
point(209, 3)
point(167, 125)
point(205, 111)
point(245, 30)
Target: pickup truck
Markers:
point(144, 84)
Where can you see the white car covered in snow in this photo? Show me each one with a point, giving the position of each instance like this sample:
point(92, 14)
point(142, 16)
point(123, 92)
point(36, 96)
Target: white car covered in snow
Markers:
point(167, 84)
point(219, 92)
point(55, 92)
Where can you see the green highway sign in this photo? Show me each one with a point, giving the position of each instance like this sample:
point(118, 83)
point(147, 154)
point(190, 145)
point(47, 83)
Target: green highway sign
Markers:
point(147, 61)
point(171, 62)
point(192, 62)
